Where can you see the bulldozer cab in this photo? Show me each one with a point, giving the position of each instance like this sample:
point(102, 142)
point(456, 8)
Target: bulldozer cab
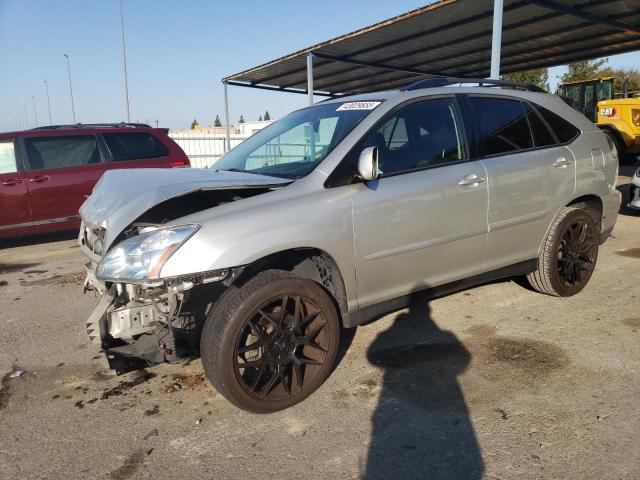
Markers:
point(585, 95)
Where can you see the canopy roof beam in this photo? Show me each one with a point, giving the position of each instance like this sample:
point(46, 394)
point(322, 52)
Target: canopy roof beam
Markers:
point(575, 11)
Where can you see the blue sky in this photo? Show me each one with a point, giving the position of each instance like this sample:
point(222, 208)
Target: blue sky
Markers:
point(177, 53)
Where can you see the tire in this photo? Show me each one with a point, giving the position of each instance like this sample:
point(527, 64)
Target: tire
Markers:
point(263, 357)
point(569, 254)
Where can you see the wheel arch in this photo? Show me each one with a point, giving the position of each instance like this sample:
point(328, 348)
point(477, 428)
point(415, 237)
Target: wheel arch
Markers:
point(306, 262)
point(592, 203)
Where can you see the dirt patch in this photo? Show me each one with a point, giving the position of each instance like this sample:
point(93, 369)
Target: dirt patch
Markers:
point(15, 267)
point(129, 467)
point(124, 386)
point(3, 283)
point(633, 322)
point(481, 331)
point(152, 411)
point(188, 381)
point(5, 392)
point(100, 376)
point(537, 358)
point(75, 278)
point(631, 253)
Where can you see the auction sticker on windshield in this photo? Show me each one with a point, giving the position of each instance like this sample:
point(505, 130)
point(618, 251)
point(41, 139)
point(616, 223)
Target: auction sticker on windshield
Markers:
point(358, 106)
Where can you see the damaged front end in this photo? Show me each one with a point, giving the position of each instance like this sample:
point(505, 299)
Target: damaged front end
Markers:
point(139, 324)
point(129, 233)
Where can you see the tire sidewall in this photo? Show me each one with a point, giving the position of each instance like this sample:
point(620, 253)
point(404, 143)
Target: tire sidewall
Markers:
point(220, 357)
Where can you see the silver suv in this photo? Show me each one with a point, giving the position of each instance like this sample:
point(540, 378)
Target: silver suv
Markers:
point(338, 214)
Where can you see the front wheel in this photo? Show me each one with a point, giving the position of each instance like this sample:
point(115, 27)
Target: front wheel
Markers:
point(569, 254)
point(271, 342)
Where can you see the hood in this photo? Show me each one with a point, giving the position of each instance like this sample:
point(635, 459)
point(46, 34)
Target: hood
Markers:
point(121, 196)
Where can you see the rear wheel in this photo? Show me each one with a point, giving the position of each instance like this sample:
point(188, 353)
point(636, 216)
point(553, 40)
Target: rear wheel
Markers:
point(270, 343)
point(568, 255)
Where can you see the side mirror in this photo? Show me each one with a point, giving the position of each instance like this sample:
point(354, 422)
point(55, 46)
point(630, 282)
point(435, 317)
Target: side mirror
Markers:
point(368, 164)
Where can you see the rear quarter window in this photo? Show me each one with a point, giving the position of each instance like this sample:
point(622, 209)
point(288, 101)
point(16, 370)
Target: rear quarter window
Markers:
point(564, 130)
point(134, 146)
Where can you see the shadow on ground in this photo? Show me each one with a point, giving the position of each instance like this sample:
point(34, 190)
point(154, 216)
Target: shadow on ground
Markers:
point(421, 426)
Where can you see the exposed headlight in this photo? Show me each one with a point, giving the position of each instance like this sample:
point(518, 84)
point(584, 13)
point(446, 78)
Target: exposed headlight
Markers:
point(142, 257)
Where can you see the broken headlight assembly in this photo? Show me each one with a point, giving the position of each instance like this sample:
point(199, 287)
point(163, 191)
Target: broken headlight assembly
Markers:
point(141, 258)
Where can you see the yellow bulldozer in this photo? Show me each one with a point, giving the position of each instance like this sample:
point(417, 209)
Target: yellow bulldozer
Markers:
point(618, 114)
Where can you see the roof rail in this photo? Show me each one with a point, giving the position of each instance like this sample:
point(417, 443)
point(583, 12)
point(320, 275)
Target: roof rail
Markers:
point(93, 125)
point(435, 82)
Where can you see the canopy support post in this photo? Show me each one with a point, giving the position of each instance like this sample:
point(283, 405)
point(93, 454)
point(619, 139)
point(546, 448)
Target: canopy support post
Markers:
point(310, 77)
point(496, 44)
point(226, 119)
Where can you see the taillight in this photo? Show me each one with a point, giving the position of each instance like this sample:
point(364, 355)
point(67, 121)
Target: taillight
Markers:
point(178, 163)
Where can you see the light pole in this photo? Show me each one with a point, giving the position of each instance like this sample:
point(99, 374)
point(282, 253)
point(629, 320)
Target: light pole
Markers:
point(73, 108)
point(124, 62)
point(35, 115)
point(26, 117)
point(46, 87)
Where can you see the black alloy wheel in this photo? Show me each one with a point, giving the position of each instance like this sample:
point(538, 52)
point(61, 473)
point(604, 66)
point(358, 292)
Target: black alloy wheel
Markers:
point(271, 342)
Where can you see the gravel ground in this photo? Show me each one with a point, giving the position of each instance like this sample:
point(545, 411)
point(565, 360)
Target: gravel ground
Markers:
point(495, 382)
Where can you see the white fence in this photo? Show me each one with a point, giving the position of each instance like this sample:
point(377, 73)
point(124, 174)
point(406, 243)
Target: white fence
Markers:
point(204, 148)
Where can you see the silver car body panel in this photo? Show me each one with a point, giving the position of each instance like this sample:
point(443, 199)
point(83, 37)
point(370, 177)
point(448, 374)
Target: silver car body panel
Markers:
point(388, 237)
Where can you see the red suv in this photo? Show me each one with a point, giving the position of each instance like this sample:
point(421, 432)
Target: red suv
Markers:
point(46, 173)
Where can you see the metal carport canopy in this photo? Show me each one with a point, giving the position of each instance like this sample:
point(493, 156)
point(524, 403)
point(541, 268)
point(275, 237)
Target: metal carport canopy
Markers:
point(454, 38)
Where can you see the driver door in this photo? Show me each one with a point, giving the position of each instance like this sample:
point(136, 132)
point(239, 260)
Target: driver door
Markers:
point(423, 223)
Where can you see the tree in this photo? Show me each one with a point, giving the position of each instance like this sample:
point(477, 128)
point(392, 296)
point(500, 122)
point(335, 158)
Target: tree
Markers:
point(584, 70)
point(267, 116)
point(632, 74)
point(217, 122)
point(260, 118)
point(241, 119)
point(538, 77)
point(195, 125)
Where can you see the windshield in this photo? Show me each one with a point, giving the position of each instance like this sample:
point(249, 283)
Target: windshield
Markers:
point(293, 146)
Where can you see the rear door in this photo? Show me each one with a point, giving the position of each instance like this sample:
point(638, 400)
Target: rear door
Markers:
point(528, 175)
point(63, 170)
point(15, 216)
point(135, 150)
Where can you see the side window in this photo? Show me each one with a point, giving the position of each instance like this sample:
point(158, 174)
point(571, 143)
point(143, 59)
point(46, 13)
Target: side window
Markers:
point(134, 146)
point(542, 136)
point(63, 151)
point(503, 125)
point(565, 131)
point(589, 96)
point(419, 135)
point(7, 157)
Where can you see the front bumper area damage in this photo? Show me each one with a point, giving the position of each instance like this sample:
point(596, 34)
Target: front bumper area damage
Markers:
point(138, 325)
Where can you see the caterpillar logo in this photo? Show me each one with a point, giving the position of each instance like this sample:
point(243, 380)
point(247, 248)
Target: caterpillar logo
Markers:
point(607, 112)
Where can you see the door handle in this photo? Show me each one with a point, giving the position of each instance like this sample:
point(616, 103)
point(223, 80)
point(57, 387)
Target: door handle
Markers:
point(40, 179)
point(472, 180)
point(12, 181)
point(561, 163)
